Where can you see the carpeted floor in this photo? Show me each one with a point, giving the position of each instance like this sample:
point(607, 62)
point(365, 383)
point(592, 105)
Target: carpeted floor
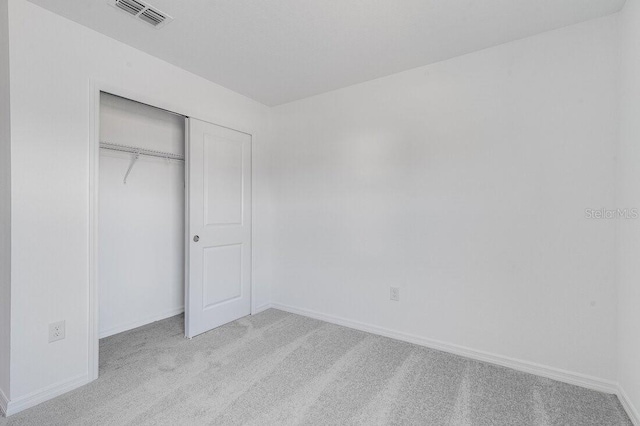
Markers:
point(277, 368)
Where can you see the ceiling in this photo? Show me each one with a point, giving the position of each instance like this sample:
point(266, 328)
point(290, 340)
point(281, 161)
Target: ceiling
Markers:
point(277, 51)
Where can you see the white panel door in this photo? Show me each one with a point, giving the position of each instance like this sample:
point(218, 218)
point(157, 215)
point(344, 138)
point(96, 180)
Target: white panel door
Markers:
point(218, 245)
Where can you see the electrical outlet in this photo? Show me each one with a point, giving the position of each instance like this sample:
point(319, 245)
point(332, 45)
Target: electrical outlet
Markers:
point(395, 294)
point(56, 331)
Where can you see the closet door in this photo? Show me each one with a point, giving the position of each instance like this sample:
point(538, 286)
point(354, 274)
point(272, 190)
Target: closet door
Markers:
point(218, 264)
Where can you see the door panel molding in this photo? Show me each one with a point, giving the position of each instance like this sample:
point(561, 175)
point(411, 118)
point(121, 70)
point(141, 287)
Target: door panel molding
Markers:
point(218, 265)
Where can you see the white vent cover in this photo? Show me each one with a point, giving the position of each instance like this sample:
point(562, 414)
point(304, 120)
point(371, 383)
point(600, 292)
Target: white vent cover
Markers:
point(142, 11)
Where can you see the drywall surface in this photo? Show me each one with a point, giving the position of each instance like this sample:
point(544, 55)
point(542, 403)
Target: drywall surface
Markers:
point(628, 196)
point(5, 202)
point(141, 223)
point(465, 184)
point(53, 64)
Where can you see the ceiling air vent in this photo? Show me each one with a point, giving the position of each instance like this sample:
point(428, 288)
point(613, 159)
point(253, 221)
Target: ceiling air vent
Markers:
point(153, 17)
point(143, 12)
point(130, 6)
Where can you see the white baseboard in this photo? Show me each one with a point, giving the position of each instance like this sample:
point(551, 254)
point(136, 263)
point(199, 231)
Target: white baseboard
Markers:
point(4, 403)
point(632, 412)
point(16, 405)
point(139, 323)
point(558, 374)
point(261, 308)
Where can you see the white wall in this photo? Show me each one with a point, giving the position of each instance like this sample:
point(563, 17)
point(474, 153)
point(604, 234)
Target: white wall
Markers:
point(53, 61)
point(464, 183)
point(628, 195)
point(5, 203)
point(141, 235)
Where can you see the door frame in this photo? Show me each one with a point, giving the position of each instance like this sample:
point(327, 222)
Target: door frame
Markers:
point(93, 160)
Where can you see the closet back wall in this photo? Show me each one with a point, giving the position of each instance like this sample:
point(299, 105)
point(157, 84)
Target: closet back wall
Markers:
point(141, 223)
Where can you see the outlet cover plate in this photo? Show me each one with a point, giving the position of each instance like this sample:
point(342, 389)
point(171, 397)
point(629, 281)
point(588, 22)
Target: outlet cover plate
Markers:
point(395, 294)
point(56, 331)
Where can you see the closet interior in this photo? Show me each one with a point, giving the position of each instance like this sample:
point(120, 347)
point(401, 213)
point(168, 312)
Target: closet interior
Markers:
point(141, 215)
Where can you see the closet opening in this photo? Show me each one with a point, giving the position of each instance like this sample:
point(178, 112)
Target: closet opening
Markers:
point(141, 216)
point(167, 235)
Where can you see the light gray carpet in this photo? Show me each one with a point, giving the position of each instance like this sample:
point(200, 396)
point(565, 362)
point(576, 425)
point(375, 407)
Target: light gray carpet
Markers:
point(276, 368)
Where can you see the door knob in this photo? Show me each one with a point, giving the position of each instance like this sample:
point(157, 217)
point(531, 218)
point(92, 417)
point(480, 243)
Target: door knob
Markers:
point(196, 238)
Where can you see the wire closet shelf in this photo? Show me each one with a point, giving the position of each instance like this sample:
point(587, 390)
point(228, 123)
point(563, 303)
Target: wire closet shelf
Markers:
point(136, 152)
point(140, 151)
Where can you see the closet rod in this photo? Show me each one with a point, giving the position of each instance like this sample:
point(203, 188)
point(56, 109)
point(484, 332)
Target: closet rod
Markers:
point(140, 151)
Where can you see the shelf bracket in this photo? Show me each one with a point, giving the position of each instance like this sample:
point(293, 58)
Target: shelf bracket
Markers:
point(134, 158)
